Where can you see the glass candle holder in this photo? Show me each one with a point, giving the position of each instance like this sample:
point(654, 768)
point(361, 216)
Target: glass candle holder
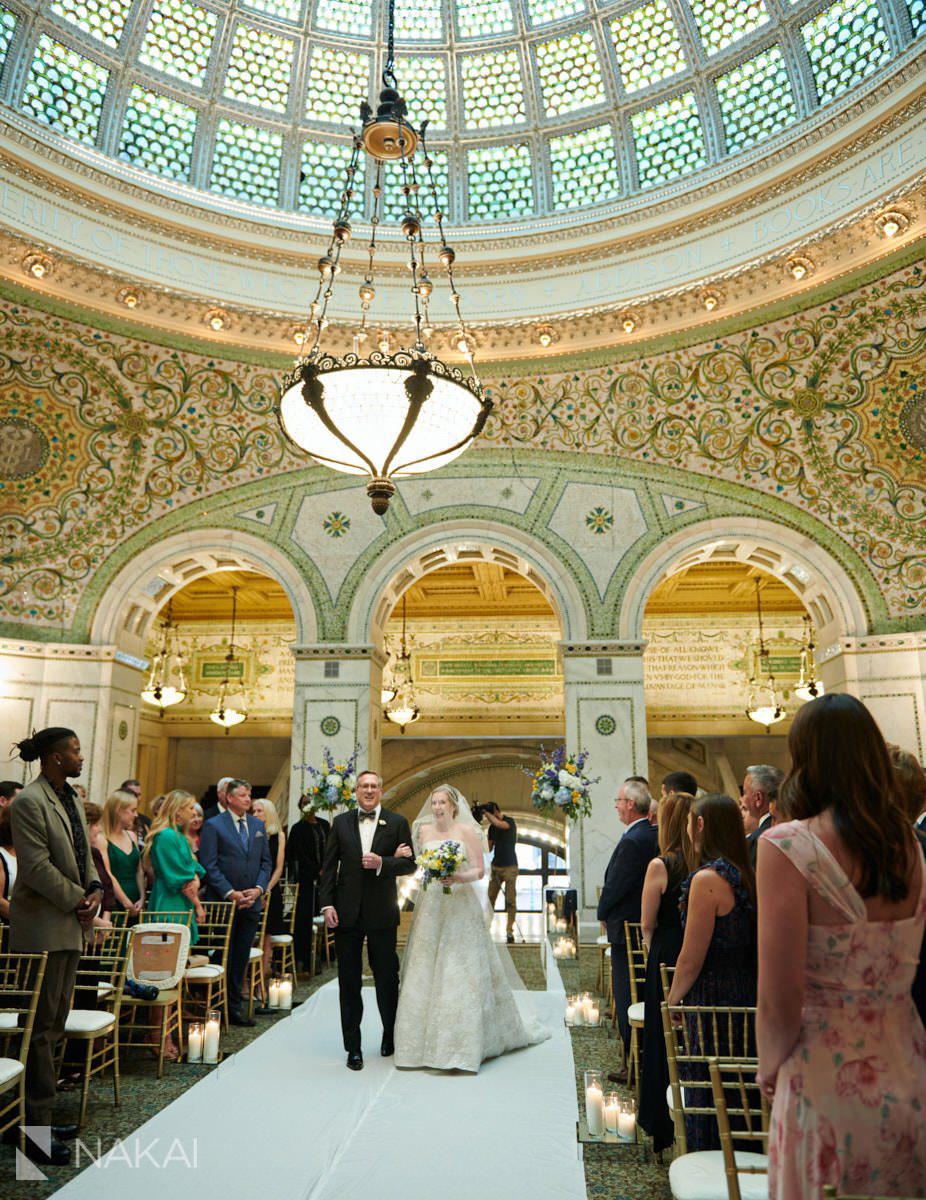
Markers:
point(194, 1043)
point(286, 993)
point(612, 1108)
point(594, 1103)
point(273, 998)
point(627, 1121)
point(211, 1036)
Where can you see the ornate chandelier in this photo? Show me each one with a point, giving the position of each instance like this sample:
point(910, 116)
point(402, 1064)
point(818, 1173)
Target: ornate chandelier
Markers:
point(166, 685)
point(763, 705)
point(384, 414)
point(403, 710)
point(226, 714)
point(808, 687)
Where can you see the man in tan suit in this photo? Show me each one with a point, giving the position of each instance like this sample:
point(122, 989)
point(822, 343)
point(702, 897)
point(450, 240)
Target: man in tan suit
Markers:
point(56, 895)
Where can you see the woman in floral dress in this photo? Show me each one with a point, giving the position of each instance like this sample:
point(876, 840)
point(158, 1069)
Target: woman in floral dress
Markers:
point(842, 905)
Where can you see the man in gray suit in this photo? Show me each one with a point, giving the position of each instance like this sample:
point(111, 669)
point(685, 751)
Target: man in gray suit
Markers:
point(56, 896)
point(760, 791)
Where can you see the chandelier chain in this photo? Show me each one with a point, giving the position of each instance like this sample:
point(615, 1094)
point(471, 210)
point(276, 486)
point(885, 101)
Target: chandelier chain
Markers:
point(389, 79)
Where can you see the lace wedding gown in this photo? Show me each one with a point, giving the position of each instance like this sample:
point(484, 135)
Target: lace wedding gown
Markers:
point(456, 1008)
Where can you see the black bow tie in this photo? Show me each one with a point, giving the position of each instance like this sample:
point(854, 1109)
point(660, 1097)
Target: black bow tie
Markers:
point(366, 816)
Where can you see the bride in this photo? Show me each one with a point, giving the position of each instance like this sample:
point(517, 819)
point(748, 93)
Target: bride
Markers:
point(456, 1008)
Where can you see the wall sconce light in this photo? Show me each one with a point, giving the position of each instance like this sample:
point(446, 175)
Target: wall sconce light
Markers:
point(37, 265)
point(628, 322)
point(800, 266)
point(892, 223)
point(216, 319)
point(129, 296)
point(710, 298)
point(546, 335)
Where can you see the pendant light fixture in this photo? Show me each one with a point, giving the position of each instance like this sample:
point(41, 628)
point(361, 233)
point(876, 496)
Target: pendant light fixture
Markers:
point(403, 710)
point(763, 705)
point(166, 685)
point(378, 413)
point(809, 687)
point(224, 713)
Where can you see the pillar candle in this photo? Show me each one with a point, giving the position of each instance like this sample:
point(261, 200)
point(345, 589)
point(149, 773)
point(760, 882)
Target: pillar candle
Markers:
point(570, 1014)
point(211, 1041)
point(627, 1125)
point(612, 1108)
point(594, 1109)
point(274, 1001)
point(286, 993)
point(593, 1016)
point(194, 1044)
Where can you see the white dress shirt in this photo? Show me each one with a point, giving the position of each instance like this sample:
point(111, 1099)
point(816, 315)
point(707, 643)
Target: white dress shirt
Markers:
point(368, 829)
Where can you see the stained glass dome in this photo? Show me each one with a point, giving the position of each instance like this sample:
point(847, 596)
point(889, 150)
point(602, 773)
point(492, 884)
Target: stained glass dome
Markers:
point(536, 107)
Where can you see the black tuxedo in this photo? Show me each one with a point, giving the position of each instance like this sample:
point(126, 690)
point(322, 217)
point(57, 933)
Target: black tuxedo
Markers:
point(752, 839)
point(620, 901)
point(367, 908)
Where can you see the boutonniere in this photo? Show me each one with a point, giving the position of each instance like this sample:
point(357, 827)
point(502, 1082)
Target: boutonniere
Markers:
point(382, 822)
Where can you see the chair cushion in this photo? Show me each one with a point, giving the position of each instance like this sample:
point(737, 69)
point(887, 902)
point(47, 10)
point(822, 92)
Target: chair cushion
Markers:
point(8, 1021)
point(10, 1071)
point(318, 921)
point(210, 971)
point(104, 989)
point(700, 1176)
point(255, 953)
point(88, 1020)
point(635, 1013)
point(280, 939)
point(602, 940)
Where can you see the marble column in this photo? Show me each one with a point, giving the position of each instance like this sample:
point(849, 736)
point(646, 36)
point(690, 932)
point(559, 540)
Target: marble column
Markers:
point(94, 690)
point(332, 708)
point(887, 671)
point(606, 715)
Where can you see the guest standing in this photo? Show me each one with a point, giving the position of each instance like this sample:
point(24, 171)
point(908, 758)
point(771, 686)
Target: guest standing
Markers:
point(760, 792)
point(194, 827)
point(911, 780)
point(305, 853)
point(662, 933)
point(54, 902)
point(717, 962)
point(265, 811)
point(93, 815)
point(119, 850)
point(233, 849)
point(175, 870)
point(7, 864)
point(842, 903)
point(9, 790)
point(623, 889)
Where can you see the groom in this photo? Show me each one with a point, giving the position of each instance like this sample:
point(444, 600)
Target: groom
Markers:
point(366, 849)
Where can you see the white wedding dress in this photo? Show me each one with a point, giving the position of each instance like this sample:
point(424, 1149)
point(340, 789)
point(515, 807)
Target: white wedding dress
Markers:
point(456, 1008)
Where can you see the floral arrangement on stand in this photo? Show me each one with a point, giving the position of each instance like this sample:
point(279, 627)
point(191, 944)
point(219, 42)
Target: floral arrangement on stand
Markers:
point(332, 785)
point(560, 784)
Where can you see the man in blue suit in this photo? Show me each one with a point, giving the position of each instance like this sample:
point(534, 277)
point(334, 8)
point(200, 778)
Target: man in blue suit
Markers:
point(623, 888)
point(233, 849)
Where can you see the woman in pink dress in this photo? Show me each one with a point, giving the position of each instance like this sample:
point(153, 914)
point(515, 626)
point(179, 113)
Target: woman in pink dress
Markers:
point(842, 905)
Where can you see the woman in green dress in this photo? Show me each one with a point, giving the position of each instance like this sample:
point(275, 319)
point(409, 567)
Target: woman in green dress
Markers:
point(118, 846)
point(176, 871)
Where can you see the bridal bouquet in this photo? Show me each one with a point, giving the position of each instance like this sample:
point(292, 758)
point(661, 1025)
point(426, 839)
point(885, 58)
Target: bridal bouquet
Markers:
point(440, 862)
point(332, 785)
point(561, 785)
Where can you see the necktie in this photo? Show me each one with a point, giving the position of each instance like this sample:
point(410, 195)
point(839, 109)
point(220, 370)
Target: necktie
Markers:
point(66, 796)
point(366, 816)
point(243, 832)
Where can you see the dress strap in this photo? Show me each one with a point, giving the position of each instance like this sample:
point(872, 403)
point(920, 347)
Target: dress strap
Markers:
point(816, 863)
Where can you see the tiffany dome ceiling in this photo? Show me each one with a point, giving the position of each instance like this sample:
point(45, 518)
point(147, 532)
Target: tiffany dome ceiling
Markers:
point(536, 107)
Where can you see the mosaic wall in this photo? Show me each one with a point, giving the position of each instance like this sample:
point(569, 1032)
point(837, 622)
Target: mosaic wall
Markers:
point(817, 421)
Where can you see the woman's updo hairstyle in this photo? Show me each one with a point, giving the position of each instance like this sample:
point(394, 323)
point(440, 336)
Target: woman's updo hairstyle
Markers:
point(43, 743)
point(452, 795)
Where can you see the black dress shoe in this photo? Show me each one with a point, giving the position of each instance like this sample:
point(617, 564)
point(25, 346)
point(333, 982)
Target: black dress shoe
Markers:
point(355, 1060)
point(57, 1154)
point(617, 1076)
point(65, 1133)
point(265, 1010)
point(388, 1047)
point(510, 939)
point(240, 1019)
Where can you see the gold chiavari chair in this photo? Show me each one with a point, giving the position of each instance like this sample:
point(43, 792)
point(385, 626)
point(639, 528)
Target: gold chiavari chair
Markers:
point(286, 942)
point(158, 952)
point(323, 939)
point(693, 1036)
point(737, 1096)
point(206, 986)
point(21, 978)
point(97, 1005)
point(254, 971)
point(636, 963)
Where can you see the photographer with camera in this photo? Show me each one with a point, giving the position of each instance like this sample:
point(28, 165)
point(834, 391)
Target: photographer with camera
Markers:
point(503, 837)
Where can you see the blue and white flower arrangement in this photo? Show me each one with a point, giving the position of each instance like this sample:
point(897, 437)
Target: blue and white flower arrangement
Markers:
point(331, 785)
point(561, 785)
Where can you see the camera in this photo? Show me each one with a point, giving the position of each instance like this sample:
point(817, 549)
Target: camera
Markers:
point(479, 810)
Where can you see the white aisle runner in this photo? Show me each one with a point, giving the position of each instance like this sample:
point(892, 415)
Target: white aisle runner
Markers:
point(285, 1117)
